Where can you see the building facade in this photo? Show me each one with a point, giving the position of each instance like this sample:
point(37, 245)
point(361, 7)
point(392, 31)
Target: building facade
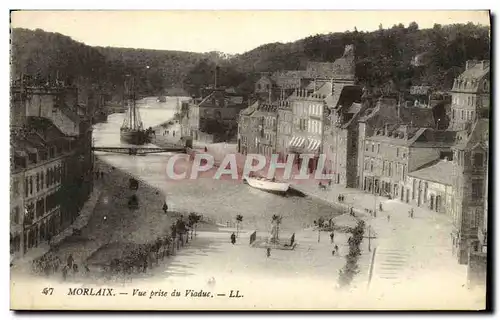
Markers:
point(341, 135)
point(432, 187)
point(469, 180)
point(470, 95)
point(395, 150)
point(285, 124)
point(248, 130)
point(376, 114)
point(51, 150)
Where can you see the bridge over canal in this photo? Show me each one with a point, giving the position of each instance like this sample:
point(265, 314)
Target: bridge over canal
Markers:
point(141, 150)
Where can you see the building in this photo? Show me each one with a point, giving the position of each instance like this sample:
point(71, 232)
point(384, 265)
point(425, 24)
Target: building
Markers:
point(267, 129)
point(431, 187)
point(341, 135)
point(308, 109)
point(285, 124)
point(395, 150)
point(477, 262)
point(470, 156)
point(375, 115)
point(214, 118)
point(470, 95)
point(257, 130)
point(51, 160)
point(248, 130)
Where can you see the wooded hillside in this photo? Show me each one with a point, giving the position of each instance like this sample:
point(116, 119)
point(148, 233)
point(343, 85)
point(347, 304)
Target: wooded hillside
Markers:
point(383, 59)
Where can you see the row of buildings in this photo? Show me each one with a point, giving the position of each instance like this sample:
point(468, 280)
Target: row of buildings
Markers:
point(424, 148)
point(213, 117)
point(50, 161)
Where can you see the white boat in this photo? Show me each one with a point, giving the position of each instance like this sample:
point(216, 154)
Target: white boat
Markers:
point(267, 185)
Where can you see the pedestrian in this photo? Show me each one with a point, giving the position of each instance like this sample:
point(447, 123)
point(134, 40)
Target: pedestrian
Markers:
point(331, 237)
point(233, 238)
point(338, 197)
point(380, 206)
point(64, 272)
point(411, 213)
point(388, 218)
point(168, 132)
point(165, 207)
point(268, 252)
point(342, 198)
point(336, 249)
point(70, 261)
point(206, 149)
point(173, 133)
point(75, 268)
point(330, 182)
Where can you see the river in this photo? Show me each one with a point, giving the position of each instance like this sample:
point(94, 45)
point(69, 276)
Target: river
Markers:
point(220, 200)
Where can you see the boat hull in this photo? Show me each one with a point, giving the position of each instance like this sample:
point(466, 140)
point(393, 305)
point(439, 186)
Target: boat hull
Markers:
point(269, 186)
point(134, 137)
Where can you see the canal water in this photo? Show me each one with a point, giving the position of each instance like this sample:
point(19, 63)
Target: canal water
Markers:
point(220, 200)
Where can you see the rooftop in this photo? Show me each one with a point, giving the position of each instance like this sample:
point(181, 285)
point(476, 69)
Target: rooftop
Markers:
point(478, 134)
point(440, 172)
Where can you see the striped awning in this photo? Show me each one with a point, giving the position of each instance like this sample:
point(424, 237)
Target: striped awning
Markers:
point(313, 145)
point(297, 142)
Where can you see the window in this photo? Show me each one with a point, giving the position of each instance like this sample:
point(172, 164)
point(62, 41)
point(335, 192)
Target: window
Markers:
point(463, 115)
point(366, 146)
point(478, 160)
point(47, 180)
point(41, 179)
point(371, 165)
point(373, 147)
point(37, 182)
point(15, 187)
point(378, 147)
point(14, 215)
point(453, 114)
point(26, 187)
point(473, 218)
point(477, 189)
point(40, 208)
point(31, 185)
point(469, 102)
point(397, 152)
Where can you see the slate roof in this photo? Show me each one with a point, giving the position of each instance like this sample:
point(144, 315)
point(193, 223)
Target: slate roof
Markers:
point(440, 172)
point(479, 133)
point(251, 109)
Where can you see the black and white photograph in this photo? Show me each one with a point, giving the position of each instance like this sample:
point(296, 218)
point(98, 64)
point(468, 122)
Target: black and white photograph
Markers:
point(249, 160)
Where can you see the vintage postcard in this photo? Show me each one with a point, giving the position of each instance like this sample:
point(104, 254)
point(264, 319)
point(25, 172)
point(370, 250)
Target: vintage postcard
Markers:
point(249, 160)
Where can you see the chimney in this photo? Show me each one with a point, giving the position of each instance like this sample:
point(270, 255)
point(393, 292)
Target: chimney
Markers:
point(216, 76)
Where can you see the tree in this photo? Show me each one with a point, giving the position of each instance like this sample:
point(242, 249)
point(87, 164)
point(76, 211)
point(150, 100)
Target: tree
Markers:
point(413, 26)
point(239, 220)
point(276, 220)
point(193, 220)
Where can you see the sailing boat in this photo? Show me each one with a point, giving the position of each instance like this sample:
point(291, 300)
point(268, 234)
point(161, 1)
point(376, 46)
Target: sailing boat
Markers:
point(132, 130)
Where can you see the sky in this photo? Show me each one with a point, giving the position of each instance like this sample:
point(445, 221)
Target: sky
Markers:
point(226, 31)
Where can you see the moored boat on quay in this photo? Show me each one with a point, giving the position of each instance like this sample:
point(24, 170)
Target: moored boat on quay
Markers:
point(267, 184)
